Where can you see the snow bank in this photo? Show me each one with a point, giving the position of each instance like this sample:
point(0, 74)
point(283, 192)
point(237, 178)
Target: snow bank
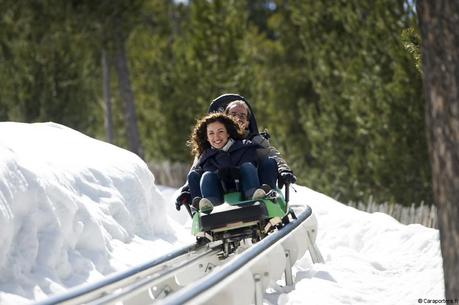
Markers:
point(369, 258)
point(67, 204)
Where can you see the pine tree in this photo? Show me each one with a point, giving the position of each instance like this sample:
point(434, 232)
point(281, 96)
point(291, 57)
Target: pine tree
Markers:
point(351, 97)
point(44, 76)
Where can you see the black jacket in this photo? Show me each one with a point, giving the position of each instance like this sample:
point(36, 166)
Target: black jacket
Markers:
point(238, 153)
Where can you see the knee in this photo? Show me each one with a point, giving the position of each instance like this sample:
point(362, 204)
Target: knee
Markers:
point(193, 176)
point(269, 163)
point(247, 166)
point(209, 176)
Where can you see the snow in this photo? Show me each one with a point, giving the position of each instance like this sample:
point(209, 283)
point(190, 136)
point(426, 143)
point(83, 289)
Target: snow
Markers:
point(74, 209)
point(369, 258)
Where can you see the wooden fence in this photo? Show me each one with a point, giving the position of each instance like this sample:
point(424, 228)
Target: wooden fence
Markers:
point(171, 174)
point(423, 214)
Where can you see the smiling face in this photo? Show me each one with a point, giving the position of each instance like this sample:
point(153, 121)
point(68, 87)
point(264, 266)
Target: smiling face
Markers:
point(217, 135)
point(240, 115)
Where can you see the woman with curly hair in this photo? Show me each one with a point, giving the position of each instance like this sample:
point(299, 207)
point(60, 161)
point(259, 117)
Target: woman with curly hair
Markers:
point(217, 144)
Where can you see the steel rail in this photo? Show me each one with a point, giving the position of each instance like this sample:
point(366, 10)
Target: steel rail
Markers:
point(122, 285)
point(89, 292)
point(193, 291)
point(145, 283)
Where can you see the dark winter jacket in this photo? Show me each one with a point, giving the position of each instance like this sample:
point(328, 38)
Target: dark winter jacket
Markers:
point(238, 153)
point(268, 150)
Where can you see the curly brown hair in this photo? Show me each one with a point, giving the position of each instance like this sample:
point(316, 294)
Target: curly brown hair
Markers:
point(198, 140)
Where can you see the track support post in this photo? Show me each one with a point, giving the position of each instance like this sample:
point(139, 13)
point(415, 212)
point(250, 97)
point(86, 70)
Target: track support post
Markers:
point(288, 269)
point(316, 256)
point(257, 278)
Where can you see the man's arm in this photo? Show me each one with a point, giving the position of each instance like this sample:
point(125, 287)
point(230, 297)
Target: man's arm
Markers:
point(271, 151)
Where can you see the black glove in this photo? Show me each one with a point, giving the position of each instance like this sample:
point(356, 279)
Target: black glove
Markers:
point(286, 177)
point(183, 198)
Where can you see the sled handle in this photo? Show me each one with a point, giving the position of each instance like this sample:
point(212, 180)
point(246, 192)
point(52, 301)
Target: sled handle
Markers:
point(187, 206)
point(287, 192)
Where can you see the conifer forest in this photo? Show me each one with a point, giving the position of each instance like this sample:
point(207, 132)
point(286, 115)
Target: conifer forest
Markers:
point(337, 84)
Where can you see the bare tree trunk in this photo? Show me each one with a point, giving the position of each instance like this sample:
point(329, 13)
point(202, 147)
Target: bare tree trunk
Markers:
point(439, 24)
point(126, 93)
point(108, 123)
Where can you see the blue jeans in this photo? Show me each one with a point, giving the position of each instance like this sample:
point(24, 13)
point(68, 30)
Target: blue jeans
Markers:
point(193, 179)
point(267, 171)
point(206, 185)
point(249, 179)
point(209, 185)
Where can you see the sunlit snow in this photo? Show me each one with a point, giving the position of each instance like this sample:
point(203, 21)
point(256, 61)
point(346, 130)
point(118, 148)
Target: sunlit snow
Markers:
point(73, 209)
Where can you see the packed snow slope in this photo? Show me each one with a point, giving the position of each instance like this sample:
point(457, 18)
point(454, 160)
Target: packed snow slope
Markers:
point(369, 258)
point(73, 209)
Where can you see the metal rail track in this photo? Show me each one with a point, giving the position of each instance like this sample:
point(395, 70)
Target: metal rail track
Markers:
point(208, 289)
point(182, 276)
point(123, 284)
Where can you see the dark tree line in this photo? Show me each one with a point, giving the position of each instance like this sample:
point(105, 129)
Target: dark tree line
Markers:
point(336, 84)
